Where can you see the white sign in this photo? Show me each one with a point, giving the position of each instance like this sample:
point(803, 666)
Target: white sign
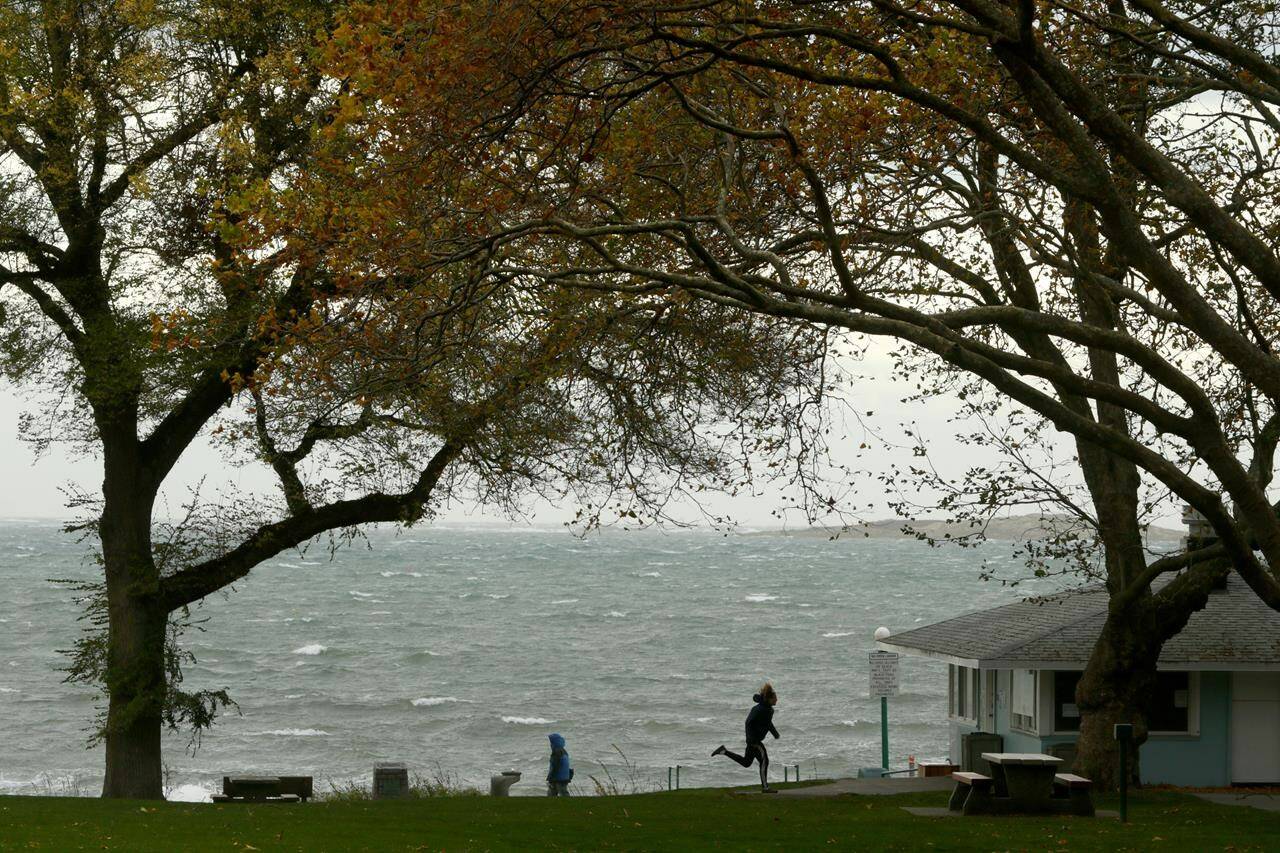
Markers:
point(884, 673)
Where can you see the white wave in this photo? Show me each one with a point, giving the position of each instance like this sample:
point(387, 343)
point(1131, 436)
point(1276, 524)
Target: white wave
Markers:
point(648, 574)
point(615, 614)
point(189, 794)
point(428, 701)
point(702, 719)
point(293, 696)
point(839, 633)
point(496, 596)
point(401, 574)
point(295, 733)
point(311, 649)
point(566, 601)
point(288, 565)
point(379, 612)
point(9, 690)
point(359, 594)
point(527, 721)
point(759, 597)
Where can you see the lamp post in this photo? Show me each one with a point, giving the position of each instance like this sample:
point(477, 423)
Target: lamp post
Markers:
point(884, 689)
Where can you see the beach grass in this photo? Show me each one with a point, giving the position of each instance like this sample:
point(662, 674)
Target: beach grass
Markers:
point(683, 820)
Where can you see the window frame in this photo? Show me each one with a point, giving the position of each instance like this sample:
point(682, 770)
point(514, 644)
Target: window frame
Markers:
point(1055, 704)
point(962, 681)
point(1193, 709)
point(1016, 720)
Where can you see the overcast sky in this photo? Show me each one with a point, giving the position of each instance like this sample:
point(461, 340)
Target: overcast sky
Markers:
point(32, 488)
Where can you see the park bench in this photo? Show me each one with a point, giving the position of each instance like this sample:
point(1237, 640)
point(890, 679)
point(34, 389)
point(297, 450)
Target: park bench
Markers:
point(264, 789)
point(1077, 790)
point(972, 793)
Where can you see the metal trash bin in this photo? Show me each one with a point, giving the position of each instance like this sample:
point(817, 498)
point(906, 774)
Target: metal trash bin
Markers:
point(390, 781)
point(871, 772)
point(972, 745)
point(500, 783)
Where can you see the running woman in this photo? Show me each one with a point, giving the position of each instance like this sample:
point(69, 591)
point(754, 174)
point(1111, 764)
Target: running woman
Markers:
point(759, 723)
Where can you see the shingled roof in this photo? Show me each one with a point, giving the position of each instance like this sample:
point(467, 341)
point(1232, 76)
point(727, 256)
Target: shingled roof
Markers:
point(1235, 631)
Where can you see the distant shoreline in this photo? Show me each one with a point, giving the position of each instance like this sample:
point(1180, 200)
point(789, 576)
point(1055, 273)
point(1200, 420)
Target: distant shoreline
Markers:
point(1012, 529)
point(1015, 528)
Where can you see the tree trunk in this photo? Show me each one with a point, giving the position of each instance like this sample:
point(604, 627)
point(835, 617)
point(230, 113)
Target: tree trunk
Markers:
point(136, 685)
point(1114, 688)
point(137, 620)
point(1119, 681)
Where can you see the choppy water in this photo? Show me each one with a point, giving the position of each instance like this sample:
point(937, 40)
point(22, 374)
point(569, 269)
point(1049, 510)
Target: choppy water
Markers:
point(458, 650)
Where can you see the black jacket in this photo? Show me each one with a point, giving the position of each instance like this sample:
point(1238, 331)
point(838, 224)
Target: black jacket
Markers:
point(760, 721)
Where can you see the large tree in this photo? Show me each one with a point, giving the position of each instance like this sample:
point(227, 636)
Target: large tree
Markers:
point(1072, 204)
point(192, 247)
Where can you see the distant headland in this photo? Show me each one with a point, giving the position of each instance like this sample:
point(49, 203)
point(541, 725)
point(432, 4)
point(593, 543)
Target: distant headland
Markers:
point(1012, 528)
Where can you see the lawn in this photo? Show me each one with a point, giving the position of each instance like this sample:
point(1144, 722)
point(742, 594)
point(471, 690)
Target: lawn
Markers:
point(683, 820)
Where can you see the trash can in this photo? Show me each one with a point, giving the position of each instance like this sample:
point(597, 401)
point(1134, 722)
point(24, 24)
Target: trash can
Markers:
point(871, 772)
point(972, 745)
point(500, 783)
point(390, 781)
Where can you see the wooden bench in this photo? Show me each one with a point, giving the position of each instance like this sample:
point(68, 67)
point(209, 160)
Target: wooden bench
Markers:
point(264, 789)
point(972, 794)
point(1077, 790)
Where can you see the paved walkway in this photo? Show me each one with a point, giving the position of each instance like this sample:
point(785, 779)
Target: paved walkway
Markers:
point(1266, 802)
point(874, 787)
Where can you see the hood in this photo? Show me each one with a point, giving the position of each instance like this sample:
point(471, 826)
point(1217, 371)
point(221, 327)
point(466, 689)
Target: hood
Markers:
point(557, 741)
point(758, 699)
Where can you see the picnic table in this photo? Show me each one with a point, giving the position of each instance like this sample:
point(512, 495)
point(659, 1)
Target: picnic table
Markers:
point(1025, 778)
point(1022, 783)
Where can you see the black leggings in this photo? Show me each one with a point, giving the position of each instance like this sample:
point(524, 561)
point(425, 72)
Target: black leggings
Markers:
point(755, 752)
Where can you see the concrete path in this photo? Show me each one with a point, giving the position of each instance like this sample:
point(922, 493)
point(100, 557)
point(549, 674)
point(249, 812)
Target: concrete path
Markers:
point(1266, 802)
point(874, 787)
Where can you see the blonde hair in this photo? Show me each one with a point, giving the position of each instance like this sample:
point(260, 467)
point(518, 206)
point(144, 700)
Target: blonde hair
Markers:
point(767, 690)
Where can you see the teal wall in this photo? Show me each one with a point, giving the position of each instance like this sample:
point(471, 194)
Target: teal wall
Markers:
point(1202, 760)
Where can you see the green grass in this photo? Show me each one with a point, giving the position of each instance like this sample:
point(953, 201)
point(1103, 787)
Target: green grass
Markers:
point(682, 820)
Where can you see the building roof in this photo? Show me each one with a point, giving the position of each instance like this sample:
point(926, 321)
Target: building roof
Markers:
point(1234, 631)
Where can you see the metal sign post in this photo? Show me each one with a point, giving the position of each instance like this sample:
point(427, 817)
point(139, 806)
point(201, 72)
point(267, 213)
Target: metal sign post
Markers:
point(1124, 735)
point(883, 667)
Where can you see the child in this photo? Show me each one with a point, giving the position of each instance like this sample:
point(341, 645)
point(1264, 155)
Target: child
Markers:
point(759, 723)
point(559, 773)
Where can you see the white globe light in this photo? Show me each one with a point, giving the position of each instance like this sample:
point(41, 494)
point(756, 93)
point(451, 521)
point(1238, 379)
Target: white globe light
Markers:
point(882, 633)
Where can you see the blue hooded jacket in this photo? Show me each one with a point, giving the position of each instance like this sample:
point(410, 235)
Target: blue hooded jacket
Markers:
point(559, 770)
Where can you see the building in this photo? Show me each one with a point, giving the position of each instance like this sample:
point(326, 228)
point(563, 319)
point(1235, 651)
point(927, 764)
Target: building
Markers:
point(1216, 720)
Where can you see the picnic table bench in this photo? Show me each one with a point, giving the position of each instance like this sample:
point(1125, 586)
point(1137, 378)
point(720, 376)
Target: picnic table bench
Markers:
point(1075, 789)
point(973, 787)
point(264, 789)
point(1022, 783)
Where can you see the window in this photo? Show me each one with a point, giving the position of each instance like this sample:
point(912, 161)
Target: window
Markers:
point(962, 693)
point(1066, 716)
point(1171, 703)
point(1022, 709)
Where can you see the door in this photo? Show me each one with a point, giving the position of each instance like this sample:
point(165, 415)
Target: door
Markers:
point(988, 721)
point(1255, 727)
